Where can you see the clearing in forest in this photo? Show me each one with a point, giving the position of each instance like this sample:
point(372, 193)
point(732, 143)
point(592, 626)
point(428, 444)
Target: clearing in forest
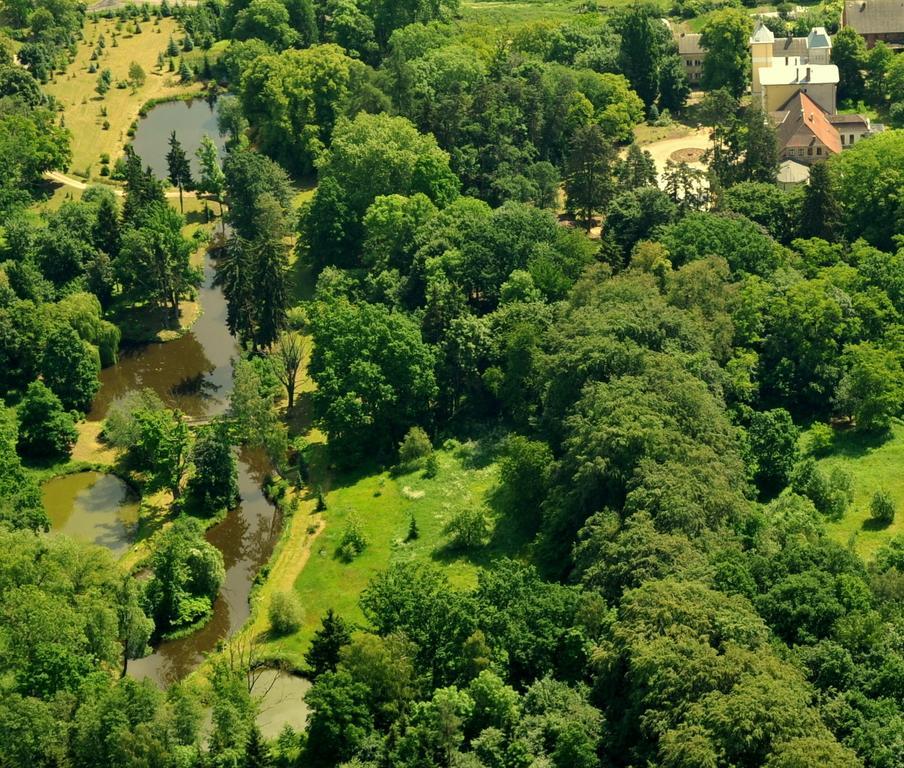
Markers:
point(381, 506)
point(874, 462)
point(82, 105)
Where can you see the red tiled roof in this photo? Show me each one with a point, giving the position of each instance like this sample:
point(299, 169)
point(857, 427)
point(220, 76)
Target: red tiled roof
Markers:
point(801, 120)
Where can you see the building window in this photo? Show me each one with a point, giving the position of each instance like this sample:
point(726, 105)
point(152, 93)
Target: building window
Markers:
point(818, 150)
point(842, 139)
point(852, 139)
point(809, 150)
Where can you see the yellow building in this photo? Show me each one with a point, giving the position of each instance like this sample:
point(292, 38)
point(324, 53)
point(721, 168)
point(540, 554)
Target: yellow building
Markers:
point(761, 43)
point(774, 80)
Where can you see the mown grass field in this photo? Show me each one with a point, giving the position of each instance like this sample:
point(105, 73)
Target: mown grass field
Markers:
point(383, 504)
point(82, 105)
point(874, 462)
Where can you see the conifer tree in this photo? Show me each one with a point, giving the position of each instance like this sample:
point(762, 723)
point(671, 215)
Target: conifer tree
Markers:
point(328, 641)
point(820, 213)
point(178, 166)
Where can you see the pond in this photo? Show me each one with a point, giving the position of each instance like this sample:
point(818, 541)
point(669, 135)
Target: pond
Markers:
point(93, 507)
point(191, 120)
point(281, 702)
point(246, 538)
point(193, 372)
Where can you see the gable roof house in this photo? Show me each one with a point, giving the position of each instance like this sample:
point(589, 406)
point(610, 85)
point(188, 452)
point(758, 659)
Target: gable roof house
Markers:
point(876, 20)
point(807, 134)
point(804, 131)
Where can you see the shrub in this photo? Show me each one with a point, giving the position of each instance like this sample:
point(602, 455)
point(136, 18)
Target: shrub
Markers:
point(413, 531)
point(431, 466)
point(831, 494)
point(469, 528)
point(882, 507)
point(285, 613)
point(353, 541)
point(415, 446)
point(45, 429)
point(122, 429)
point(819, 440)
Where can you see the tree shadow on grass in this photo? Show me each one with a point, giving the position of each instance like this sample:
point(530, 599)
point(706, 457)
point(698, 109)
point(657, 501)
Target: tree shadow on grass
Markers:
point(853, 444)
point(872, 525)
point(197, 217)
point(511, 537)
point(300, 417)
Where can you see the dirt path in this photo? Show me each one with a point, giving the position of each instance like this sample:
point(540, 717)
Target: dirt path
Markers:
point(68, 181)
point(293, 555)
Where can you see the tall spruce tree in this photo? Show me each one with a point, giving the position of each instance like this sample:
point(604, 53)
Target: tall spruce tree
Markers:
point(588, 182)
point(323, 655)
point(178, 166)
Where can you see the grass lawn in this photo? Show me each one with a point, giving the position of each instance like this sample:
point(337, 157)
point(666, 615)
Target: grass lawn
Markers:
point(383, 504)
point(644, 133)
point(874, 463)
point(82, 106)
point(504, 12)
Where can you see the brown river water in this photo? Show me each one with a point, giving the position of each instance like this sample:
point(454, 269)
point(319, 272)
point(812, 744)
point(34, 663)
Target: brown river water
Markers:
point(193, 373)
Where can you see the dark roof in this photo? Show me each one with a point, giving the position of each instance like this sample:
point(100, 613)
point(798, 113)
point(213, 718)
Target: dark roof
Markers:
point(871, 17)
point(849, 120)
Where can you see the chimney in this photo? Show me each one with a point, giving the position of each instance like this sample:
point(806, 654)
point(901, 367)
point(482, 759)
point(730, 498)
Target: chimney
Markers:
point(808, 73)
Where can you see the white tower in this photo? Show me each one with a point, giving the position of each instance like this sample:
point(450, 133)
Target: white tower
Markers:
point(761, 42)
point(819, 46)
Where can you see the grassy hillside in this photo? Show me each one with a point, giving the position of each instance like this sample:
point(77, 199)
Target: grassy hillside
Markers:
point(873, 462)
point(82, 105)
point(383, 504)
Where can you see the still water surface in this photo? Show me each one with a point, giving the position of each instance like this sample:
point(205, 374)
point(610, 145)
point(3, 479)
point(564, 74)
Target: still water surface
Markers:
point(92, 507)
point(194, 373)
point(191, 120)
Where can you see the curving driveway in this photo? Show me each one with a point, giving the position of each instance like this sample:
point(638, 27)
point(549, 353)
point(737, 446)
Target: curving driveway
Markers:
point(663, 150)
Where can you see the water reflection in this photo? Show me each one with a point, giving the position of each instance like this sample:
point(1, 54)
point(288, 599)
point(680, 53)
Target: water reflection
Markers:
point(92, 507)
point(246, 538)
point(282, 702)
point(191, 120)
point(192, 373)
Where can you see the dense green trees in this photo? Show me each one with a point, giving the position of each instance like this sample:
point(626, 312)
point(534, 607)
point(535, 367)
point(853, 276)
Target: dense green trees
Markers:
point(188, 573)
point(370, 156)
point(252, 266)
point(45, 429)
point(31, 142)
point(866, 178)
point(69, 367)
point(725, 37)
point(849, 55)
point(374, 375)
point(214, 484)
point(588, 181)
point(294, 99)
point(60, 627)
point(21, 506)
point(689, 609)
point(648, 57)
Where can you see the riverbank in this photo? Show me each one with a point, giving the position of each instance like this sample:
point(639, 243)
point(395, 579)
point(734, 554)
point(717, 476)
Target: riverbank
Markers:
point(101, 124)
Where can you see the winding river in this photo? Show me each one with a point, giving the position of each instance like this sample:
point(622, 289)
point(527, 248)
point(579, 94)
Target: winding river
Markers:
point(192, 373)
